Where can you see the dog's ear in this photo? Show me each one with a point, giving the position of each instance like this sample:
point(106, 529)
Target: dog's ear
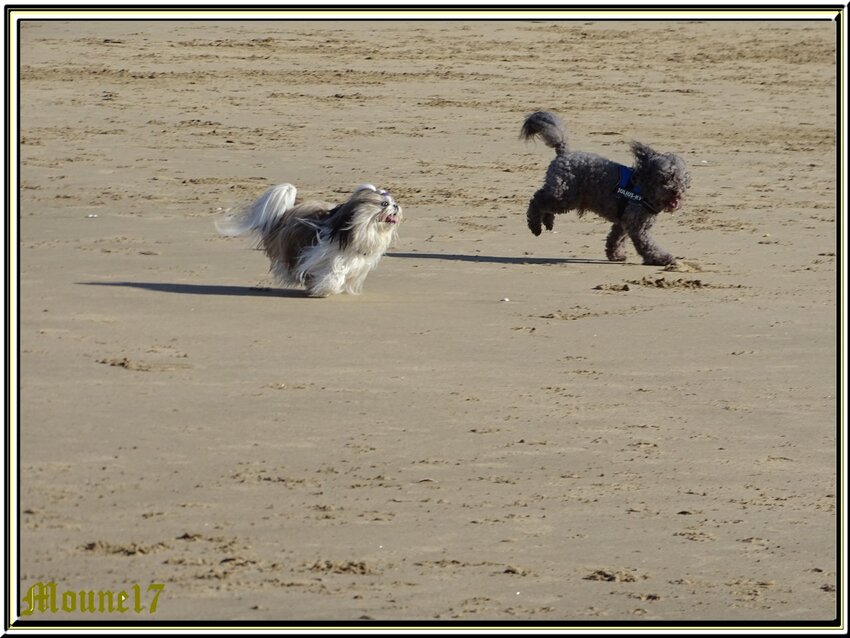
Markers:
point(642, 153)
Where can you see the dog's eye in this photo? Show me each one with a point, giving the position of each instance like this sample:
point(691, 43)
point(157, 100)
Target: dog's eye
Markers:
point(384, 204)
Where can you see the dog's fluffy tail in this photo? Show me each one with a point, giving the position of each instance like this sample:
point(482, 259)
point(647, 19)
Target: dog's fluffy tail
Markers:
point(548, 127)
point(262, 216)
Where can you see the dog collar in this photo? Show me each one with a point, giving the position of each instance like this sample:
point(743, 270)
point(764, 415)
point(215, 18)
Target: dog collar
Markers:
point(629, 191)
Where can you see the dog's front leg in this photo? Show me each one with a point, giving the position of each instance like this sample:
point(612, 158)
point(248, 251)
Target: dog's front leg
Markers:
point(328, 279)
point(541, 212)
point(638, 225)
point(614, 249)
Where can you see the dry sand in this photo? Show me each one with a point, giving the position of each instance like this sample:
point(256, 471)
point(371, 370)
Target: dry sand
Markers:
point(497, 428)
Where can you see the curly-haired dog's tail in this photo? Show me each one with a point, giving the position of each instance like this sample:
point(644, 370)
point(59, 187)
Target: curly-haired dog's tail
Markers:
point(549, 128)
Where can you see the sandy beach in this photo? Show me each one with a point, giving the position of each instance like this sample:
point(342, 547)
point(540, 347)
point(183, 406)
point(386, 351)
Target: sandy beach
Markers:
point(501, 427)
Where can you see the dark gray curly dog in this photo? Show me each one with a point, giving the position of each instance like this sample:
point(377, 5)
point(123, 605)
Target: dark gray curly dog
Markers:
point(630, 198)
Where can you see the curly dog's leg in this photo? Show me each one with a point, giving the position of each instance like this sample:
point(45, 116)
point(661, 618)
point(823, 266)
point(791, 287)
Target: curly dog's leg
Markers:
point(614, 244)
point(638, 225)
point(541, 211)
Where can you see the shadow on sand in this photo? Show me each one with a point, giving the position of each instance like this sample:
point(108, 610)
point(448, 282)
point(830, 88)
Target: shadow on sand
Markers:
point(256, 291)
point(489, 259)
point(204, 289)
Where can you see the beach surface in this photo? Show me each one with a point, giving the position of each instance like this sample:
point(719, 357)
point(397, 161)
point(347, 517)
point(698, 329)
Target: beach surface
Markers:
point(501, 427)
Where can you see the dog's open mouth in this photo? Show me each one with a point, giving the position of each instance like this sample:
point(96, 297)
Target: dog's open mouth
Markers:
point(674, 204)
point(392, 218)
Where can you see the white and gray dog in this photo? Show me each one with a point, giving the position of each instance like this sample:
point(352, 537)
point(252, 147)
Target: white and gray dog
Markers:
point(327, 248)
point(628, 197)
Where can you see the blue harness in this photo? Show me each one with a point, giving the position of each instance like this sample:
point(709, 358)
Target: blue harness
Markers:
point(628, 191)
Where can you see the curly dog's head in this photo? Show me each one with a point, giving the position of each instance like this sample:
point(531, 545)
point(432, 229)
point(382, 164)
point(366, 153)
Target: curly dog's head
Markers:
point(664, 177)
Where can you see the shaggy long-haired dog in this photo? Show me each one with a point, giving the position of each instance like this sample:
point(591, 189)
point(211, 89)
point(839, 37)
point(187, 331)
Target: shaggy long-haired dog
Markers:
point(327, 248)
point(629, 198)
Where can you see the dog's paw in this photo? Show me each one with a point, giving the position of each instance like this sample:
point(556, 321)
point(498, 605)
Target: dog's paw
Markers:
point(659, 260)
point(535, 227)
point(549, 221)
point(616, 256)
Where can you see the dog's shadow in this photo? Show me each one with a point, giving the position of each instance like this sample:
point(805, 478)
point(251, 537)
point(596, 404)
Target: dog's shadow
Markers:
point(292, 293)
point(205, 289)
point(492, 259)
